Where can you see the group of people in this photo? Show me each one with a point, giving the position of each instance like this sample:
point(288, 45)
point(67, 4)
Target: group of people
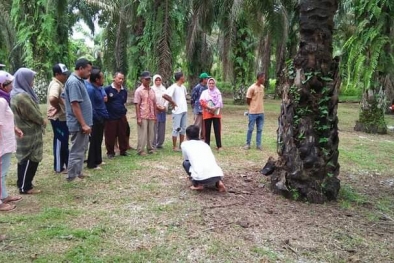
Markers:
point(81, 109)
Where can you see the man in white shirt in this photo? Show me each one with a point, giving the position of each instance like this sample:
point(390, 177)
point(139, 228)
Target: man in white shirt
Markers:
point(199, 162)
point(176, 96)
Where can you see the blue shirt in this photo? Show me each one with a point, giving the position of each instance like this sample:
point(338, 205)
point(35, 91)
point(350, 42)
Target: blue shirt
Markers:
point(75, 91)
point(116, 102)
point(100, 113)
point(195, 98)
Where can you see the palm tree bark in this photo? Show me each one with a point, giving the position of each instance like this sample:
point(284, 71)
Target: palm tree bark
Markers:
point(307, 167)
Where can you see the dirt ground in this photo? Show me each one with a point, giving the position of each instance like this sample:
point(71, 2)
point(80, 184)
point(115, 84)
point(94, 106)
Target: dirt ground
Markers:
point(300, 231)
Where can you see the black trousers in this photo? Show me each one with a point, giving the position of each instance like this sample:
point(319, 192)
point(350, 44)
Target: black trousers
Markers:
point(216, 128)
point(95, 140)
point(207, 182)
point(26, 172)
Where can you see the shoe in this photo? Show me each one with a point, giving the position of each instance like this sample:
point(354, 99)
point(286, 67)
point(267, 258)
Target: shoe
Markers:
point(7, 207)
point(75, 179)
point(97, 168)
point(142, 153)
point(124, 154)
point(102, 163)
point(30, 192)
point(110, 155)
point(159, 147)
point(259, 148)
point(14, 199)
point(246, 147)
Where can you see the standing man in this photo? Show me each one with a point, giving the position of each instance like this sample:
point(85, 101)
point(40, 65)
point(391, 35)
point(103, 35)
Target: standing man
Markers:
point(79, 116)
point(116, 125)
point(176, 95)
point(145, 109)
point(254, 98)
point(56, 113)
point(100, 114)
point(195, 102)
point(161, 114)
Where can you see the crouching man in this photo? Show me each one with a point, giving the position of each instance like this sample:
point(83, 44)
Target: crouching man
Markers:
point(199, 162)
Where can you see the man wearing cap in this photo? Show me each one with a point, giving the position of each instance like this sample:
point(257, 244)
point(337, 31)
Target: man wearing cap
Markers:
point(116, 125)
point(195, 102)
point(56, 113)
point(145, 109)
point(176, 95)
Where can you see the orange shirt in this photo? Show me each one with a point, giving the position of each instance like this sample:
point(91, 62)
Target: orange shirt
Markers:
point(256, 94)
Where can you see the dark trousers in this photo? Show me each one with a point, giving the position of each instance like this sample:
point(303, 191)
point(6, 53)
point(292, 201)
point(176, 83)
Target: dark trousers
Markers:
point(216, 128)
point(207, 182)
point(116, 129)
point(60, 145)
point(96, 139)
point(26, 172)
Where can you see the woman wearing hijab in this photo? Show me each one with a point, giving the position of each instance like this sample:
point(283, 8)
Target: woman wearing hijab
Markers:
point(161, 105)
point(28, 118)
point(211, 102)
point(7, 139)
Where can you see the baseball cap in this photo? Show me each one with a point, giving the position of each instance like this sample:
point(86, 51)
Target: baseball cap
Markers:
point(60, 69)
point(146, 75)
point(5, 77)
point(204, 76)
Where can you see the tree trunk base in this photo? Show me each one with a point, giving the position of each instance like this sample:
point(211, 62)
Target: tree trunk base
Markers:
point(370, 128)
point(301, 189)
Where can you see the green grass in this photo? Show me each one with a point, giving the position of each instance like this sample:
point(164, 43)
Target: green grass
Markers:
point(139, 209)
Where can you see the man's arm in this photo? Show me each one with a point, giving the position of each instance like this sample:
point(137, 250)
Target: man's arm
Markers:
point(169, 99)
point(248, 100)
point(76, 108)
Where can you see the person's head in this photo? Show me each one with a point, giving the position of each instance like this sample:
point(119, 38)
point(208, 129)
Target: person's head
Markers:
point(211, 83)
point(60, 72)
point(260, 77)
point(24, 78)
point(204, 78)
point(157, 80)
point(83, 68)
point(6, 81)
point(192, 132)
point(179, 77)
point(118, 79)
point(96, 77)
point(145, 78)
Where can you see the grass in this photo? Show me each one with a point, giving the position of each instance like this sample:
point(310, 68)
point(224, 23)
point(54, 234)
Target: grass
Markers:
point(139, 209)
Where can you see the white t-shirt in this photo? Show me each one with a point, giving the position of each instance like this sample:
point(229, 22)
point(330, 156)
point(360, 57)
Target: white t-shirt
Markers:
point(178, 95)
point(202, 160)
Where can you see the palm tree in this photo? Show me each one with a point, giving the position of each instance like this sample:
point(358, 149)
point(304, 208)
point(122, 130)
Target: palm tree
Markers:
point(308, 166)
point(370, 62)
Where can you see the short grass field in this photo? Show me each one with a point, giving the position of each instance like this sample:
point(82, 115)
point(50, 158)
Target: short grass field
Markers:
point(140, 209)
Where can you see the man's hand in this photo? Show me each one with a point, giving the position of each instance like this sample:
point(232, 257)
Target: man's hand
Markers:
point(18, 132)
point(139, 121)
point(86, 129)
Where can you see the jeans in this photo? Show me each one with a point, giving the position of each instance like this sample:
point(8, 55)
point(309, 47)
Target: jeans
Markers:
point(259, 120)
point(5, 161)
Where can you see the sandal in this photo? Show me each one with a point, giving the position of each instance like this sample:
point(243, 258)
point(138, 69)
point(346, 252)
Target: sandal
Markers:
point(7, 207)
point(9, 198)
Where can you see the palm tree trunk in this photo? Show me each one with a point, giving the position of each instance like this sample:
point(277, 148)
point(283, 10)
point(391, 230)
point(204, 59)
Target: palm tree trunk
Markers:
point(307, 167)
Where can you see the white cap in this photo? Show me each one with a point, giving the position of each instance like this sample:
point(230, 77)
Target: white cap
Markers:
point(5, 77)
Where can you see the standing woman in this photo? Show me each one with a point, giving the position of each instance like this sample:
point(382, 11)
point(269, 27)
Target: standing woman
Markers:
point(28, 118)
point(7, 139)
point(161, 106)
point(211, 102)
